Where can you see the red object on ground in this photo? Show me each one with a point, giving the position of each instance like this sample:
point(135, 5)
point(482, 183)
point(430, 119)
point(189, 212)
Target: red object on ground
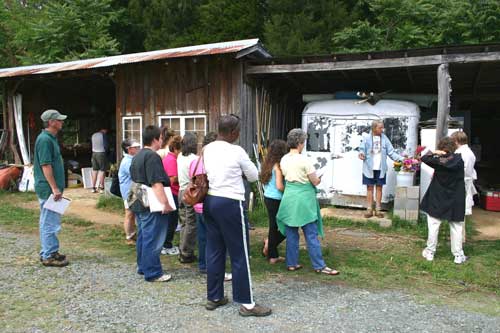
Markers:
point(7, 175)
point(490, 200)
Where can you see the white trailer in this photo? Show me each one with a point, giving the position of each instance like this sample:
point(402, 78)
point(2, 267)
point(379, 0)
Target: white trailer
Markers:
point(335, 129)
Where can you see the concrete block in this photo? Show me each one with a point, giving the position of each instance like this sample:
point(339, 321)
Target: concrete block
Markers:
point(412, 192)
point(412, 216)
point(412, 204)
point(400, 192)
point(401, 213)
point(385, 223)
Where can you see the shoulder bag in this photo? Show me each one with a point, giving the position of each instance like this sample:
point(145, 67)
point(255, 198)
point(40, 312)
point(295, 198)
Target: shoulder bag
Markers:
point(197, 188)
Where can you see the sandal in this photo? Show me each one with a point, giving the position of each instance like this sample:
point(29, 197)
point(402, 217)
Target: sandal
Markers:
point(327, 271)
point(273, 261)
point(294, 268)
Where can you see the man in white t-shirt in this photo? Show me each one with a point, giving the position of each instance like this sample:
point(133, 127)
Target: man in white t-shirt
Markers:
point(227, 229)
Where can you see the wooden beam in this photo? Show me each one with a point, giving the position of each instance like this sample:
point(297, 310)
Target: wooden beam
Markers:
point(433, 60)
point(444, 90)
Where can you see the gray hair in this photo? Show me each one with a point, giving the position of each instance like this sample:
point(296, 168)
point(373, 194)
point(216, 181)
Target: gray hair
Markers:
point(376, 122)
point(295, 137)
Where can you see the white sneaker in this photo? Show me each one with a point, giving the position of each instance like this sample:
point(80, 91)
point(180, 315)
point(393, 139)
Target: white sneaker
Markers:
point(460, 259)
point(163, 278)
point(428, 255)
point(228, 277)
point(173, 251)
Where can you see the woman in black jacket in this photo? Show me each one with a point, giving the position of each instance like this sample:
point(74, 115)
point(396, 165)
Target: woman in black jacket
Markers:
point(445, 198)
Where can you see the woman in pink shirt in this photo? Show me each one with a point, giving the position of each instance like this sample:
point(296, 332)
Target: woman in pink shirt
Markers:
point(170, 166)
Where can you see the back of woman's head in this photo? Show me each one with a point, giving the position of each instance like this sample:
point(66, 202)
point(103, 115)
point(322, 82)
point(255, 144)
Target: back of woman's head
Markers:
point(210, 137)
point(189, 144)
point(447, 144)
point(166, 133)
point(295, 137)
point(176, 143)
point(275, 152)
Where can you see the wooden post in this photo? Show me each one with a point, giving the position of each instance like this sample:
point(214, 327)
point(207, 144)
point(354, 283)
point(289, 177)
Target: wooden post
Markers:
point(444, 90)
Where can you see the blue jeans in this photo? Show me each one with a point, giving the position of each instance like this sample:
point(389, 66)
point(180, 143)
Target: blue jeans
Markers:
point(313, 246)
point(50, 225)
point(202, 241)
point(151, 232)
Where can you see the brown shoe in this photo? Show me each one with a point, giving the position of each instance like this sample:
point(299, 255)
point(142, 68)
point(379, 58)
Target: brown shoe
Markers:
point(379, 214)
point(368, 214)
point(212, 305)
point(53, 262)
point(257, 311)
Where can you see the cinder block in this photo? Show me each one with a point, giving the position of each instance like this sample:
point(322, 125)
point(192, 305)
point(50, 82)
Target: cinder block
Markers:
point(401, 213)
point(412, 192)
point(412, 204)
point(412, 216)
point(385, 223)
point(400, 192)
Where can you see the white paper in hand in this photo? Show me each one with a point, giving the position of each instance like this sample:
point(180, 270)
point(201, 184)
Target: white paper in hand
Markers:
point(57, 206)
point(154, 204)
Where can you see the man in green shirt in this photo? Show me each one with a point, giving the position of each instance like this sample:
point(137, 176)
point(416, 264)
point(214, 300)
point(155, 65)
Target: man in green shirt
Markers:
point(49, 180)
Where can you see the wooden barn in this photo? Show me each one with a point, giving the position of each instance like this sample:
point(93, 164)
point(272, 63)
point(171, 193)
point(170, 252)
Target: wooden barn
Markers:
point(185, 88)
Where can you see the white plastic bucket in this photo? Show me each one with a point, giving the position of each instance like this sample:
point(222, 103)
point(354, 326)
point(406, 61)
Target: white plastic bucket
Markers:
point(405, 179)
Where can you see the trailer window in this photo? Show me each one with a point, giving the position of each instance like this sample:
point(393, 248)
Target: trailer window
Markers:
point(318, 134)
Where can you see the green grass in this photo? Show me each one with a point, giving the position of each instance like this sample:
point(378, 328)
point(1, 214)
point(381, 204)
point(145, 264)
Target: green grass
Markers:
point(112, 204)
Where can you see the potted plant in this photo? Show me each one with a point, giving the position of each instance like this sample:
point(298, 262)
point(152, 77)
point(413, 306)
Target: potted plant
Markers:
point(406, 169)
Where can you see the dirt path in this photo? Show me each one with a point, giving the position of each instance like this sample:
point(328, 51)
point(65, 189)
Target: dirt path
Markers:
point(487, 224)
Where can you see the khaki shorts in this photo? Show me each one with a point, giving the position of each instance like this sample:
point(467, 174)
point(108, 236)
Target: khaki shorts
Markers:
point(99, 162)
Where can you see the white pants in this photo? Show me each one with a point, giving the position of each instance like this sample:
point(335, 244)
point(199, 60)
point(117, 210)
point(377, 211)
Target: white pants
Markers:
point(455, 235)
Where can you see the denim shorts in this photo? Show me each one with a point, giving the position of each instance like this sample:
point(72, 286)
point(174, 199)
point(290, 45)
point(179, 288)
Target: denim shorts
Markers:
point(375, 180)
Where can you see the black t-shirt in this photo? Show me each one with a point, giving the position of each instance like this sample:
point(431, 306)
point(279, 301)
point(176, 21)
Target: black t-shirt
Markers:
point(147, 168)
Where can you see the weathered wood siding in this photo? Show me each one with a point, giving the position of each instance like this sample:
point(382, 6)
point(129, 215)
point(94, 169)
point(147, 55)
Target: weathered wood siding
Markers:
point(208, 86)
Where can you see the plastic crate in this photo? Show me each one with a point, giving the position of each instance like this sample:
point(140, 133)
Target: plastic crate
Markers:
point(490, 200)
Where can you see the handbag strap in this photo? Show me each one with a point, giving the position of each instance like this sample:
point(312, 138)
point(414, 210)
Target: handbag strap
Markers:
point(198, 162)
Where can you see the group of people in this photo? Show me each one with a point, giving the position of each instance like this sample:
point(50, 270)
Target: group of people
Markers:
point(450, 193)
point(219, 224)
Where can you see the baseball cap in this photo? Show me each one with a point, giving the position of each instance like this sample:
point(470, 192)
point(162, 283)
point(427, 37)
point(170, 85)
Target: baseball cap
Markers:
point(52, 115)
point(134, 143)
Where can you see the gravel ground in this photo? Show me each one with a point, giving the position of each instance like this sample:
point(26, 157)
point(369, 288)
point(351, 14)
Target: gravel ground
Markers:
point(102, 294)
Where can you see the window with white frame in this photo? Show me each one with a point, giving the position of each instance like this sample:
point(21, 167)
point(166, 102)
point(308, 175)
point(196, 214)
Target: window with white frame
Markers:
point(196, 124)
point(132, 128)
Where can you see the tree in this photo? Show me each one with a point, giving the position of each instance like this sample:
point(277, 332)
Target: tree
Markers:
point(403, 24)
point(304, 26)
point(226, 20)
point(65, 30)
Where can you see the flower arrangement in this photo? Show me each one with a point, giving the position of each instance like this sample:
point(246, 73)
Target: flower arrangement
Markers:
point(409, 164)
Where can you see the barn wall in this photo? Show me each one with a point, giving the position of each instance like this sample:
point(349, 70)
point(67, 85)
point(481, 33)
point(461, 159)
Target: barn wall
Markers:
point(208, 86)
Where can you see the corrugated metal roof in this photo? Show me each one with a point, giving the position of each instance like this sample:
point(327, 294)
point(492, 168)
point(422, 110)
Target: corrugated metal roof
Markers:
point(189, 51)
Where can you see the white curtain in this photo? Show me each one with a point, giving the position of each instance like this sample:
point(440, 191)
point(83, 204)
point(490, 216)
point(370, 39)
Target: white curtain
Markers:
point(18, 118)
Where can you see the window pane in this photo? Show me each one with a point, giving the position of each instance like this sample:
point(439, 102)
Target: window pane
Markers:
point(189, 122)
point(200, 124)
point(175, 124)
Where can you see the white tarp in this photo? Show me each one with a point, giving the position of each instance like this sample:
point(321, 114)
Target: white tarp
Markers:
point(18, 118)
